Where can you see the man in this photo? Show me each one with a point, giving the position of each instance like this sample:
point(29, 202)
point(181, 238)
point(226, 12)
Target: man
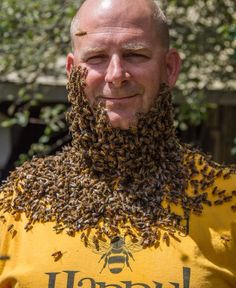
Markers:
point(126, 205)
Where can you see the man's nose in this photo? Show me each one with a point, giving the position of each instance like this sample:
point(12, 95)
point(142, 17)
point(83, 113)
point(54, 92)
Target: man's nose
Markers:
point(116, 73)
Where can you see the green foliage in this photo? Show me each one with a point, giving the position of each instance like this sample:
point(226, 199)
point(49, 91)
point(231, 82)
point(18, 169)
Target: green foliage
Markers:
point(34, 34)
point(35, 40)
point(205, 34)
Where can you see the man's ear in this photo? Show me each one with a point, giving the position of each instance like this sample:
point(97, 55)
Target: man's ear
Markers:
point(69, 63)
point(173, 63)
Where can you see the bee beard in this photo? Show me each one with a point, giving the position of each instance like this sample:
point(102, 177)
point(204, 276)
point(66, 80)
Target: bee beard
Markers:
point(131, 172)
point(111, 178)
point(148, 149)
point(109, 174)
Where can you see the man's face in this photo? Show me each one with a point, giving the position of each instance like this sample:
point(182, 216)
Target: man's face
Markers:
point(125, 60)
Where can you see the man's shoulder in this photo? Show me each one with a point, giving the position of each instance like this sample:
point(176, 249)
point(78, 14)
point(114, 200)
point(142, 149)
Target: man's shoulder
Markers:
point(215, 183)
point(202, 165)
point(35, 175)
point(39, 167)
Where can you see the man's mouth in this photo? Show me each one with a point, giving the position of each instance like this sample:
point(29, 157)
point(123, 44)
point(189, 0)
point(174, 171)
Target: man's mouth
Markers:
point(118, 98)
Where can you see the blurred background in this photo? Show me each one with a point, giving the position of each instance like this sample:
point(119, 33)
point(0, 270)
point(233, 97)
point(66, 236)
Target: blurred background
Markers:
point(34, 43)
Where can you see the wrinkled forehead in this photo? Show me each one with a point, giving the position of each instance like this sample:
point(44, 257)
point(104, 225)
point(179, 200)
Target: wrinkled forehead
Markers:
point(113, 39)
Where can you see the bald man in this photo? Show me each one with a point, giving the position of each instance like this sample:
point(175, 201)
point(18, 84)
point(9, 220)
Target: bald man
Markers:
point(126, 204)
point(125, 48)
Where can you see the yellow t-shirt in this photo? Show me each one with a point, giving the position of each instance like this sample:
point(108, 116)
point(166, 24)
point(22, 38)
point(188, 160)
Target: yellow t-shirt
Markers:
point(40, 258)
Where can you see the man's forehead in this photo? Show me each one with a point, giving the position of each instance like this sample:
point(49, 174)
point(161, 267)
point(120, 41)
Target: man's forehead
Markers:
point(124, 38)
point(107, 24)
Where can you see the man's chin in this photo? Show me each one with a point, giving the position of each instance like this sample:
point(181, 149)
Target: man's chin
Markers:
point(122, 120)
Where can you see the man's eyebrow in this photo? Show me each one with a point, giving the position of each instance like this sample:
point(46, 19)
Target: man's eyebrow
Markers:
point(126, 46)
point(92, 50)
point(135, 46)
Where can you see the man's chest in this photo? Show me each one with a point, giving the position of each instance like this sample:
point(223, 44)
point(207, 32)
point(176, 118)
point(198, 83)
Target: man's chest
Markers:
point(40, 258)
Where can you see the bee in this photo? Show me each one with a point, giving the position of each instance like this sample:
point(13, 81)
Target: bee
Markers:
point(233, 208)
point(4, 257)
point(200, 160)
point(233, 193)
point(116, 255)
point(211, 174)
point(221, 193)
point(28, 226)
point(58, 228)
point(207, 202)
point(11, 230)
point(2, 219)
point(219, 173)
point(218, 202)
point(57, 255)
point(173, 235)
point(166, 238)
point(227, 198)
point(214, 191)
point(227, 175)
point(184, 229)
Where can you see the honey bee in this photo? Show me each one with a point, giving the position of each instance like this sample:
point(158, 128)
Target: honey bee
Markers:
point(4, 257)
point(57, 255)
point(214, 191)
point(184, 230)
point(219, 173)
point(2, 219)
point(227, 175)
point(233, 208)
point(11, 230)
point(233, 193)
point(227, 198)
point(218, 202)
point(221, 193)
point(166, 238)
point(28, 226)
point(200, 160)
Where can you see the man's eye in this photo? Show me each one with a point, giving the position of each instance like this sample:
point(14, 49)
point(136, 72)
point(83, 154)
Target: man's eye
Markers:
point(137, 56)
point(96, 59)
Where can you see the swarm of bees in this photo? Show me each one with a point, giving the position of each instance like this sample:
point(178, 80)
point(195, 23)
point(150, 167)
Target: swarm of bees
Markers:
point(118, 176)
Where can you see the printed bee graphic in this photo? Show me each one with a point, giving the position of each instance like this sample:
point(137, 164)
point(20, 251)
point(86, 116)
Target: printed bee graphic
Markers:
point(116, 255)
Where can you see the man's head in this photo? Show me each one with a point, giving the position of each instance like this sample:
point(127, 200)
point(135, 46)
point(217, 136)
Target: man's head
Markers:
point(124, 45)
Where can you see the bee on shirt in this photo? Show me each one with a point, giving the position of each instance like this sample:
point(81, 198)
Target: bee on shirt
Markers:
point(166, 238)
point(4, 257)
point(11, 230)
point(57, 255)
point(117, 254)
